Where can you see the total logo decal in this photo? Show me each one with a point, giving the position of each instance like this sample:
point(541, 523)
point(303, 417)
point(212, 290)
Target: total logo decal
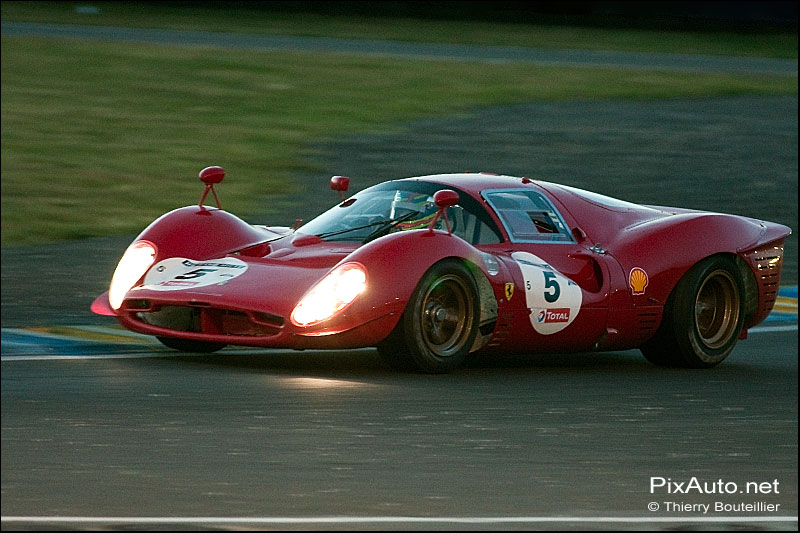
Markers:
point(178, 273)
point(554, 299)
point(553, 315)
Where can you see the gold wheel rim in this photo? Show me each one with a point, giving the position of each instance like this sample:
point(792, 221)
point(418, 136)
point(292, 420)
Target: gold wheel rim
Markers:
point(446, 316)
point(716, 309)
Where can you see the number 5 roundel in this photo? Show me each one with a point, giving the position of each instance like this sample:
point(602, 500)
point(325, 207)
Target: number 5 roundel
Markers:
point(176, 273)
point(554, 300)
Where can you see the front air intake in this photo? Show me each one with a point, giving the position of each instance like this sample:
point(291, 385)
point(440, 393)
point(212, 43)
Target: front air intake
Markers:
point(200, 317)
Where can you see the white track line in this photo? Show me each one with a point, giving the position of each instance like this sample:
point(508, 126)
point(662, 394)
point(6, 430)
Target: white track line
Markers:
point(392, 519)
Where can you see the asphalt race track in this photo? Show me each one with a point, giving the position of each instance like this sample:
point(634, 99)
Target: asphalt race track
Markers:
point(103, 429)
point(132, 431)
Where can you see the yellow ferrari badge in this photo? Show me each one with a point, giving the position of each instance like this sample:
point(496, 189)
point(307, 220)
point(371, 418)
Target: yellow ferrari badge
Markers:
point(509, 291)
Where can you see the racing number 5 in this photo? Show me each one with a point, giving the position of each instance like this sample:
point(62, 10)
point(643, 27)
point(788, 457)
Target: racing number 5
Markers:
point(196, 273)
point(551, 283)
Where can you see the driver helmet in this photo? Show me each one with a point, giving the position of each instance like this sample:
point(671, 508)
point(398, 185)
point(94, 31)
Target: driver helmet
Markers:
point(421, 203)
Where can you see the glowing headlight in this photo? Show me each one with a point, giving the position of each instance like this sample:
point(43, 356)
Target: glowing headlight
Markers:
point(333, 293)
point(134, 263)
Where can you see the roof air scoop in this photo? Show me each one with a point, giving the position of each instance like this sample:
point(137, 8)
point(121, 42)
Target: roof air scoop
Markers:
point(210, 176)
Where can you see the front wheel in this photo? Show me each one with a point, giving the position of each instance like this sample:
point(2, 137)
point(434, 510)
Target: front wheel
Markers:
point(439, 326)
point(703, 317)
point(186, 345)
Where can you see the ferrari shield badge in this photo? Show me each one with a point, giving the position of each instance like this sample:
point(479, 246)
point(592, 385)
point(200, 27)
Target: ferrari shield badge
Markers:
point(509, 291)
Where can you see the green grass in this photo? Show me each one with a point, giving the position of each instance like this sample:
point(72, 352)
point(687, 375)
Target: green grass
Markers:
point(240, 18)
point(102, 138)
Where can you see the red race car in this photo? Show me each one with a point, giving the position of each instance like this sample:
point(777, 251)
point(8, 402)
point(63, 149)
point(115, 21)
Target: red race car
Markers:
point(432, 268)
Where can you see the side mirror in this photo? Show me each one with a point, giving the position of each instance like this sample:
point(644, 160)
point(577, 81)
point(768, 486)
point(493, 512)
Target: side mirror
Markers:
point(340, 184)
point(445, 198)
point(210, 176)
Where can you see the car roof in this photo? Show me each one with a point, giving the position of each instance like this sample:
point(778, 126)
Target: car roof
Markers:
point(475, 182)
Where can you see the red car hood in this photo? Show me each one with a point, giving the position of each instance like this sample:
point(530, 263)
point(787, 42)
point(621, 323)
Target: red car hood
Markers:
point(272, 284)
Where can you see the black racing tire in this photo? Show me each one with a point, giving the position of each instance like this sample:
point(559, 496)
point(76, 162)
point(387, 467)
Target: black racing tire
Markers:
point(440, 323)
point(703, 317)
point(185, 345)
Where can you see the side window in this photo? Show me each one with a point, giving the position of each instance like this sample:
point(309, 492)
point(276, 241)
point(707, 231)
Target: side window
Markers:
point(470, 228)
point(528, 216)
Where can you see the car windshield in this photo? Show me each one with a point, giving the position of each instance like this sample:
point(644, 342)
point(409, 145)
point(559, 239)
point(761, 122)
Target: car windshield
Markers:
point(400, 206)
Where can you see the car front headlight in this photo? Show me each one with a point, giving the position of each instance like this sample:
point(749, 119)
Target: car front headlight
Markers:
point(134, 263)
point(337, 290)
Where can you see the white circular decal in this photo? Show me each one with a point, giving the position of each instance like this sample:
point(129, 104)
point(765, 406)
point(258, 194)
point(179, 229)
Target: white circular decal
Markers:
point(178, 273)
point(554, 299)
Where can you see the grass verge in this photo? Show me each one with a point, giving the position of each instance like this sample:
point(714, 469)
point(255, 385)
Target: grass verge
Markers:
point(101, 138)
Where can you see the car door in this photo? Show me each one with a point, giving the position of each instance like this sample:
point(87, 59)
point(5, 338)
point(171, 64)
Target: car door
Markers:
point(560, 281)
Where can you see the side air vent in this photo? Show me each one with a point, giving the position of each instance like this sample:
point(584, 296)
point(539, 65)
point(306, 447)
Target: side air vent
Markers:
point(502, 329)
point(648, 321)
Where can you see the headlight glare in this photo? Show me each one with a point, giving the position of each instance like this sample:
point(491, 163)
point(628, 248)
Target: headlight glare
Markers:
point(134, 263)
point(332, 294)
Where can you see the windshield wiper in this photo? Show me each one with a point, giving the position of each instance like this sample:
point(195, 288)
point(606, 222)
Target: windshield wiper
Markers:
point(391, 222)
point(390, 225)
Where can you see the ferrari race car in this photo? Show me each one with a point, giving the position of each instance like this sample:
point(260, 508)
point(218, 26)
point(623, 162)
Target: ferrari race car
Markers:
point(430, 269)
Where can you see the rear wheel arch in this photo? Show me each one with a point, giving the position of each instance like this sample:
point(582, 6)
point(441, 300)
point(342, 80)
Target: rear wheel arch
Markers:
point(750, 306)
point(703, 316)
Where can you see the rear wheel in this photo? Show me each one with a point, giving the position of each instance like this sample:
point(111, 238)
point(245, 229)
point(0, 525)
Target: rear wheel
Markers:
point(186, 345)
point(702, 319)
point(439, 325)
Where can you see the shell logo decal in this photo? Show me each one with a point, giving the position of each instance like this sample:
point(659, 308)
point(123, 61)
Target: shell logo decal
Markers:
point(638, 280)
